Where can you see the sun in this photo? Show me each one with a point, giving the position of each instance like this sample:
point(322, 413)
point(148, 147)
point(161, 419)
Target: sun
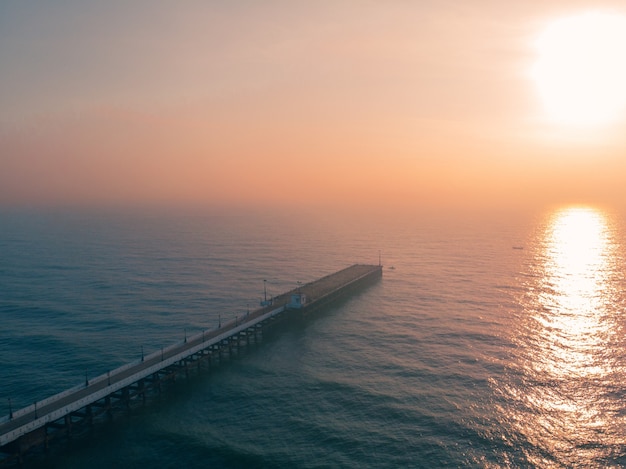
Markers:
point(581, 69)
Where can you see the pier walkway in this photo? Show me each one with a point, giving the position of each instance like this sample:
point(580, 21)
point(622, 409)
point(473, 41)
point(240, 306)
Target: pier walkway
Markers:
point(32, 425)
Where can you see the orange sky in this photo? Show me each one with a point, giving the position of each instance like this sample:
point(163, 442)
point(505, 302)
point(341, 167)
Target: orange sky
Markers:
point(342, 103)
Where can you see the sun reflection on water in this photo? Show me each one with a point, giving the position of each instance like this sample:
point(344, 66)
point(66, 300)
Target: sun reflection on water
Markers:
point(569, 351)
point(576, 262)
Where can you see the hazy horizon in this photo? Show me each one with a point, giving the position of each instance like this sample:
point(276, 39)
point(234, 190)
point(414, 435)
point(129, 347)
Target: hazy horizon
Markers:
point(399, 105)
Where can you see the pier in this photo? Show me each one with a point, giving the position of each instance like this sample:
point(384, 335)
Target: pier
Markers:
point(56, 417)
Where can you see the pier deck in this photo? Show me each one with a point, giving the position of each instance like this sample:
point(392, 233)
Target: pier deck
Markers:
point(31, 425)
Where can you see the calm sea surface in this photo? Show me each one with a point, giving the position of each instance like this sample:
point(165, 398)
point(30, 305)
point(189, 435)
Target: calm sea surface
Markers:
point(490, 341)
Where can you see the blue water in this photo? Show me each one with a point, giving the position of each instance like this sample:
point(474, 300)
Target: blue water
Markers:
point(494, 341)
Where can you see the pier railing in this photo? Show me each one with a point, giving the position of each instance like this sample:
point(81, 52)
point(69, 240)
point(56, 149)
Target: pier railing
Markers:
point(100, 390)
point(64, 404)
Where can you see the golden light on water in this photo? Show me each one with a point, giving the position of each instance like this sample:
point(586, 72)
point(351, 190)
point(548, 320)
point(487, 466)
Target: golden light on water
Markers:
point(576, 256)
point(569, 350)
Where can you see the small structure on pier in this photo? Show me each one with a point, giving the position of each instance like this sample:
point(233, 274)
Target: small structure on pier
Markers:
point(298, 301)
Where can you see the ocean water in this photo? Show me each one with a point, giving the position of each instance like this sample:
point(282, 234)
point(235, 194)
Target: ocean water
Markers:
point(491, 341)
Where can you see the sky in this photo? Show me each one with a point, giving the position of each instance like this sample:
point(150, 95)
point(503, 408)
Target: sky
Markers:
point(388, 104)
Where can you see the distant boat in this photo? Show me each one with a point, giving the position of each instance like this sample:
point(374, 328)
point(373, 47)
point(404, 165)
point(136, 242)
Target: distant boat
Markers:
point(392, 268)
point(518, 247)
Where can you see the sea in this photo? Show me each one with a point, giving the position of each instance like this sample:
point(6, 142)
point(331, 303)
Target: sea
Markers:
point(493, 340)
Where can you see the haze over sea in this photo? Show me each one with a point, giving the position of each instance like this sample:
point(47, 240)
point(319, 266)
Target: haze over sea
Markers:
point(491, 341)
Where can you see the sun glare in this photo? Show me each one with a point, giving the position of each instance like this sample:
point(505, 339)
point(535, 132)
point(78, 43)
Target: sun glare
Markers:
point(581, 69)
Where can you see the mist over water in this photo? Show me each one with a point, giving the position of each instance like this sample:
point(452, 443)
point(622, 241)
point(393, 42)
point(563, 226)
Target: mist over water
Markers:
point(490, 341)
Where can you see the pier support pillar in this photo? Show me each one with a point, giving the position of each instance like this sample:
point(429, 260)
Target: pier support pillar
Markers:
point(156, 380)
point(126, 397)
point(142, 390)
point(46, 440)
point(107, 406)
point(68, 425)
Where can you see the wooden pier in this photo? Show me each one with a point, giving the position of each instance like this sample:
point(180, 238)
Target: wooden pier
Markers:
point(56, 417)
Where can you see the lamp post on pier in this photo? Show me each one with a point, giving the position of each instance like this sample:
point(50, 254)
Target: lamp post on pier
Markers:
point(142, 353)
point(10, 410)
